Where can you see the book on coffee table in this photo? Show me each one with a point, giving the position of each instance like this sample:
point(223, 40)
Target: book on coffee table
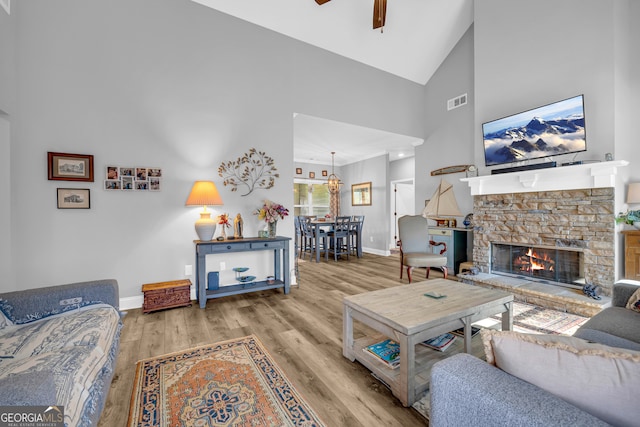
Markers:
point(387, 351)
point(460, 332)
point(441, 342)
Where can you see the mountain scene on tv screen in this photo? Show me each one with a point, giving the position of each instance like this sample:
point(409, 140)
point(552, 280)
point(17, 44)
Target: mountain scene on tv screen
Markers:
point(538, 138)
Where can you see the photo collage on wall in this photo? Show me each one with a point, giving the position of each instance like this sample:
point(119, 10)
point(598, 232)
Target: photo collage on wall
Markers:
point(133, 179)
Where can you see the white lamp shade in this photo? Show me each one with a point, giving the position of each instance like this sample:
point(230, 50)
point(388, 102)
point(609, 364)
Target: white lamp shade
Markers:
point(633, 194)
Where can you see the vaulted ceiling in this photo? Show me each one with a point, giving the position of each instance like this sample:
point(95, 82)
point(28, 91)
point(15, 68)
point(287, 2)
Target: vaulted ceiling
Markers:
point(417, 37)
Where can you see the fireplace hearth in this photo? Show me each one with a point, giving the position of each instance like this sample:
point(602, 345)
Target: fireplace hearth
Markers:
point(551, 265)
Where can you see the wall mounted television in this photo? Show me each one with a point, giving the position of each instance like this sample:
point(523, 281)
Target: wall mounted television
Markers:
point(550, 130)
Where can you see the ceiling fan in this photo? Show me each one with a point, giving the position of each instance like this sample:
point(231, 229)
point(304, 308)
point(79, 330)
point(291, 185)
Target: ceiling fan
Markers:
point(379, 12)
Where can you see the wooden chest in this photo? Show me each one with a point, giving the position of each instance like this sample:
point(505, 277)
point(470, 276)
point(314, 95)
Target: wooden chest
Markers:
point(158, 296)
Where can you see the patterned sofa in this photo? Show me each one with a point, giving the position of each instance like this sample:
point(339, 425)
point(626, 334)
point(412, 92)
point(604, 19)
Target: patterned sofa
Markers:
point(58, 346)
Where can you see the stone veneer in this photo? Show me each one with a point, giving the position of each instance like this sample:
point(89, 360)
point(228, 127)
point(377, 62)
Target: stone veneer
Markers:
point(581, 218)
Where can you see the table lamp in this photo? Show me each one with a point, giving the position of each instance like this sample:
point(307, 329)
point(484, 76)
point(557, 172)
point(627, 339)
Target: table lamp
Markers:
point(204, 193)
point(633, 194)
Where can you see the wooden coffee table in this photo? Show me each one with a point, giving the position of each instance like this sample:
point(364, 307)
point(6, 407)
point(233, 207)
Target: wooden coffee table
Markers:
point(407, 316)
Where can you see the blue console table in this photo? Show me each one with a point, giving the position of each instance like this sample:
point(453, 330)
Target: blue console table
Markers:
point(279, 246)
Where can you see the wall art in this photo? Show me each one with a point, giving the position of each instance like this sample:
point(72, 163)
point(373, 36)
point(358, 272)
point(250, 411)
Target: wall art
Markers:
point(74, 198)
point(361, 194)
point(251, 170)
point(70, 167)
point(129, 178)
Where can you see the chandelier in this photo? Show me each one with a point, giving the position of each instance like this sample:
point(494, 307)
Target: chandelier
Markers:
point(333, 181)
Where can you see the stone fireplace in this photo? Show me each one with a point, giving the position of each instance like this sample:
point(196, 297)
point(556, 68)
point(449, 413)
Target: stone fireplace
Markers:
point(580, 220)
point(554, 226)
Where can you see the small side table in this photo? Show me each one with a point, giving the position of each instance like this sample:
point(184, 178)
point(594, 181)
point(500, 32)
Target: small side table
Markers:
point(158, 296)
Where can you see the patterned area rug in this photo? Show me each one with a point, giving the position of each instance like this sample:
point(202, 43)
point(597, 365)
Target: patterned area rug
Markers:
point(529, 319)
point(539, 320)
point(231, 383)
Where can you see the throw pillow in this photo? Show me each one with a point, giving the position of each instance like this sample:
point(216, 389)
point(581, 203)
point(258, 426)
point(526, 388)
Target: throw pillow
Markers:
point(598, 379)
point(634, 301)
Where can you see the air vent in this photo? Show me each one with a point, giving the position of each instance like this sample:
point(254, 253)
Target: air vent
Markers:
point(456, 102)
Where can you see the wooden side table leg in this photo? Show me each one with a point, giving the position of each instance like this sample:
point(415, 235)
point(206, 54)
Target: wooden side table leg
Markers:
point(507, 317)
point(406, 389)
point(467, 335)
point(347, 333)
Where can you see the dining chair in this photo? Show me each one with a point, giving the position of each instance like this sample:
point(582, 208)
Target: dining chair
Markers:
point(298, 227)
point(340, 238)
point(309, 243)
point(416, 250)
point(355, 234)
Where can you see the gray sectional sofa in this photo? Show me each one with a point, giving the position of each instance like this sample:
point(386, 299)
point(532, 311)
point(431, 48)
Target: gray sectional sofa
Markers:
point(467, 391)
point(58, 346)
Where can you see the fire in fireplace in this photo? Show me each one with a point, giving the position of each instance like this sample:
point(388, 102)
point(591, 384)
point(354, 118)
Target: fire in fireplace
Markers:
point(558, 266)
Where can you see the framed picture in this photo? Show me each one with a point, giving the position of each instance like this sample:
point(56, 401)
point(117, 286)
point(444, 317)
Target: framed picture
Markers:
point(324, 173)
point(113, 172)
point(361, 194)
point(154, 184)
point(298, 171)
point(110, 184)
point(312, 175)
point(127, 182)
point(70, 167)
point(141, 174)
point(74, 198)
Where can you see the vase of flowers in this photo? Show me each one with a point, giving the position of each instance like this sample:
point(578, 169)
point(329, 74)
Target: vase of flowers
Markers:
point(270, 213)
point(223, 220)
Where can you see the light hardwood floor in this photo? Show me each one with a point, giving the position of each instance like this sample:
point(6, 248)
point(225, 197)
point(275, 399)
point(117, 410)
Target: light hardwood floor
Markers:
point(302, 331)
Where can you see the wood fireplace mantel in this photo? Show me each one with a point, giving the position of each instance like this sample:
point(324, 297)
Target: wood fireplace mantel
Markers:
point(588, 175)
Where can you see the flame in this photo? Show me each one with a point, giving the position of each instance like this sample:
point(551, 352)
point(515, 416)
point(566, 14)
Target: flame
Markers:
point(537, 261)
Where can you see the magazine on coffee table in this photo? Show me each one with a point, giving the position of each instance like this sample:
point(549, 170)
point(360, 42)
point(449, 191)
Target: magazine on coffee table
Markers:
point(441, 342)
point(387, 351)
point(460, 332)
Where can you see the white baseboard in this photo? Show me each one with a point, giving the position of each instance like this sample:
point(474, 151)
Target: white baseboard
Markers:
point(376, 251)
point(130, 303)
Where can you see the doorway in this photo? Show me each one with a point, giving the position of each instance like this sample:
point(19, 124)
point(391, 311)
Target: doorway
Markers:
point(402, 203)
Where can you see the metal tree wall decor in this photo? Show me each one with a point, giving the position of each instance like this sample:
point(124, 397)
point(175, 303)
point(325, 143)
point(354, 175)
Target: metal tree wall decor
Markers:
point(252, 169)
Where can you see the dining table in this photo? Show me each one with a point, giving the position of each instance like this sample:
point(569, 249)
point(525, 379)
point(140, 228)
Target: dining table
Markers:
point(327, 224)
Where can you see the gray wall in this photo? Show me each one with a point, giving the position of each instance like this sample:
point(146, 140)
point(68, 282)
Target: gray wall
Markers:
point(7, 53)
point(449, 135)
point(7, 101)
point(375, 237)
point(524, 59)
point(170, 84)
point(402, 169)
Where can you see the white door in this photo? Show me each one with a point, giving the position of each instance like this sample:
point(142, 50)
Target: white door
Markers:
point(402, 203)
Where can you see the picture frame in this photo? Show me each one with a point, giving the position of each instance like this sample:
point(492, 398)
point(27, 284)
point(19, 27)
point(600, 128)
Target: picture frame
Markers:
point(69, 167)
point(312, 175)
point(298, 171)
point(324, 173)
point(361, 194)
point(73, 198)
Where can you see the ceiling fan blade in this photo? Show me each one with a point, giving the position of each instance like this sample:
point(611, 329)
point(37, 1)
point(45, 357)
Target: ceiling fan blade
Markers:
point(321, 2)
point(379, 13)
